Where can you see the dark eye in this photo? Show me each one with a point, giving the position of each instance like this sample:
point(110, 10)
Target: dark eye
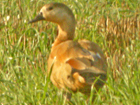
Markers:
point(50, 8)
point(41, 13)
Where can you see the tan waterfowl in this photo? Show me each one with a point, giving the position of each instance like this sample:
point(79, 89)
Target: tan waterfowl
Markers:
point(74, 66)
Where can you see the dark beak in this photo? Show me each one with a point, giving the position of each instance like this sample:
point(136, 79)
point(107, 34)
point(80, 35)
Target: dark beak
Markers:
point(37, 18)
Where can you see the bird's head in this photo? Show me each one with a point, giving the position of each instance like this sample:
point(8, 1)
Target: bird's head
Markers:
point(54, 12)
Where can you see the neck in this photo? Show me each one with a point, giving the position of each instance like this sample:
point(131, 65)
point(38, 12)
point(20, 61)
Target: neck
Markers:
point(66, 31)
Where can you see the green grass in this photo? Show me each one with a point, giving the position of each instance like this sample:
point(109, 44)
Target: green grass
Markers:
point(24, 49)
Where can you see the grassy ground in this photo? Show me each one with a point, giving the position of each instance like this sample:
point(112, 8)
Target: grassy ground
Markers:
point(114, 25)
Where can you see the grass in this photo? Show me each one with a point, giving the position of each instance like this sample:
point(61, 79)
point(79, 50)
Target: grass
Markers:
point(114, 25)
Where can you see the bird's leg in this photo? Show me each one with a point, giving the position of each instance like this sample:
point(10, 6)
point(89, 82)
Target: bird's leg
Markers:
point(67, 95)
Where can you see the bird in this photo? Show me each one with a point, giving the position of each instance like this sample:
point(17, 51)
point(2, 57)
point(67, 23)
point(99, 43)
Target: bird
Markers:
point(73, 66)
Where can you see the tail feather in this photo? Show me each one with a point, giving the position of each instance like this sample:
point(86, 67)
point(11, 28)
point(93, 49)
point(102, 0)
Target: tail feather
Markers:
point(84, 72)
point(91, 76)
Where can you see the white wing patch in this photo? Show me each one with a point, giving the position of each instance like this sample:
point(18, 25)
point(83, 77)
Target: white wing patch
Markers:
point(95, 56)
point(98, 55)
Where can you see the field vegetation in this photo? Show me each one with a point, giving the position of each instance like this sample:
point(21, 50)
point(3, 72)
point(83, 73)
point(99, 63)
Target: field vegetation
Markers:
point(24, 48)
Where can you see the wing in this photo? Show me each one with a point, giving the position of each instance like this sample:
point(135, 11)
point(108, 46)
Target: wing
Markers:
point(96, 52)
point(77, 65)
